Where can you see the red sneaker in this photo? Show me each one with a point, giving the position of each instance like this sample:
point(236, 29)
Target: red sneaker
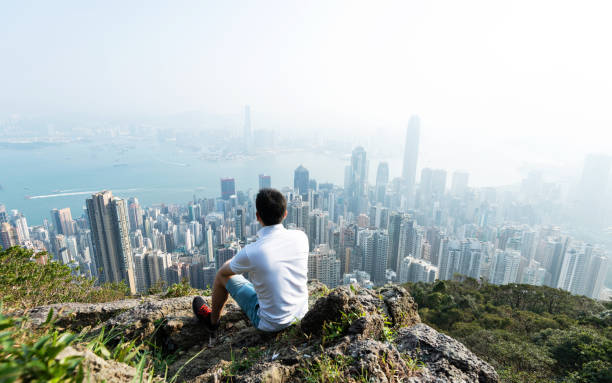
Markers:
point(202, 312)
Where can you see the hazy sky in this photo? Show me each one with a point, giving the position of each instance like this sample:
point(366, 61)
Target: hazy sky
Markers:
point(496, 83)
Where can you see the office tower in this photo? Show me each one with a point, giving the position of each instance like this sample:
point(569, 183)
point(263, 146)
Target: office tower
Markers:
point(358, 181)
point(590, 199)
point(228, 188)
point(240, 224)
point(247, 136)
point(135, 214)
point(196, 230)
point(108, 218)
point(382, 179)
point(411, 155)
point(324, 266)
point(3, 215)
point(301, 180)
point(459, 184)
point(265, 181)
point(62, 220)
point(505, 265)
point(8, 236)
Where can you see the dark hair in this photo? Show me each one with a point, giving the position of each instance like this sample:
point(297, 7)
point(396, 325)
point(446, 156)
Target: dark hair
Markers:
point(271, 206)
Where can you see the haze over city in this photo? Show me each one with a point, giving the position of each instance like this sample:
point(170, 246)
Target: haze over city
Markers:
point(380, 191)
point(499, 88)
point(514, 95)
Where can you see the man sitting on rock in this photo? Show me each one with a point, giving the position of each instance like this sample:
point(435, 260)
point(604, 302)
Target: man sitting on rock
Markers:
point(277, 265)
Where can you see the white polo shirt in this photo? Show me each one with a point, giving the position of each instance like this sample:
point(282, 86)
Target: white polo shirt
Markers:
point(277, 264)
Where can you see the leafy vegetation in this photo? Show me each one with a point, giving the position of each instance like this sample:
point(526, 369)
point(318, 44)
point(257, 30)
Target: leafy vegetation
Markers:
point(28, 280)
point(32, 355)
point(528, 333)
point(25, 358)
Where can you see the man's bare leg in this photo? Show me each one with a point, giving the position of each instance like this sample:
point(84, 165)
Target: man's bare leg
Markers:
point(219, 292)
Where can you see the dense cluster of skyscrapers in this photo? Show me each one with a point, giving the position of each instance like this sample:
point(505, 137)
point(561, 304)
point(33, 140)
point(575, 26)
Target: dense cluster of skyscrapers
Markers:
point(392, 231)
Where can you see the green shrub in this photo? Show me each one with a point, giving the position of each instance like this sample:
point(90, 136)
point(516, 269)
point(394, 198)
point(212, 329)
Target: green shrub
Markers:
point(25, 284)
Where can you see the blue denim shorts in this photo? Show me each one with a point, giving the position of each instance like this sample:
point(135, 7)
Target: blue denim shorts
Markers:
point(244, 294)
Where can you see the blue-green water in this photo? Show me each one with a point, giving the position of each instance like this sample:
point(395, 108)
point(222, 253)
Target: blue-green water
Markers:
point(153, 172)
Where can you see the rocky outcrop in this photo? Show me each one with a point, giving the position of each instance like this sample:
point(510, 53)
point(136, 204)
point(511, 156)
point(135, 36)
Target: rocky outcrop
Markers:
point(349, 334)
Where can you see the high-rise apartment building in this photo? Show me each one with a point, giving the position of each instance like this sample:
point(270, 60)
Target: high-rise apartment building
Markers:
point(108, 218)
point(228, 188)
point(135, 214)
point(62, 220)
point(411, 155)
point(374, 245)
point(324, 266)
point(8, 235)
point(505, 266)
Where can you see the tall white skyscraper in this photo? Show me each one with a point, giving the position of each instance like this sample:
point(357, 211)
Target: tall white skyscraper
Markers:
point(411, 155)
point(108, 218)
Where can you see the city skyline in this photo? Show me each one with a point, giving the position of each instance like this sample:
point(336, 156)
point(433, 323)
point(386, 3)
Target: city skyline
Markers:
point(360, 232)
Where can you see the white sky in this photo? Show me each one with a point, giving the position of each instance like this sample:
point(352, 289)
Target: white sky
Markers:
point(496, 83)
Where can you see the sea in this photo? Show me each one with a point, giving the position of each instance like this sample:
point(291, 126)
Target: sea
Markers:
point(35, 178)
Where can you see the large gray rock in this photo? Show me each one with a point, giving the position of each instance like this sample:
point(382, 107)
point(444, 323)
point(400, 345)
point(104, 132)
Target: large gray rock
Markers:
point(78, 315)
point(445, 358)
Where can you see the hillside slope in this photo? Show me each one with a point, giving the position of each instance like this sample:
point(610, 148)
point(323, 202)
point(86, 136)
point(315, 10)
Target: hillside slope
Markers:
point(349, 335)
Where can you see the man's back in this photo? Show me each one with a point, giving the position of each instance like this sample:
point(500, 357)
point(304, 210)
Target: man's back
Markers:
point(278, 268)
